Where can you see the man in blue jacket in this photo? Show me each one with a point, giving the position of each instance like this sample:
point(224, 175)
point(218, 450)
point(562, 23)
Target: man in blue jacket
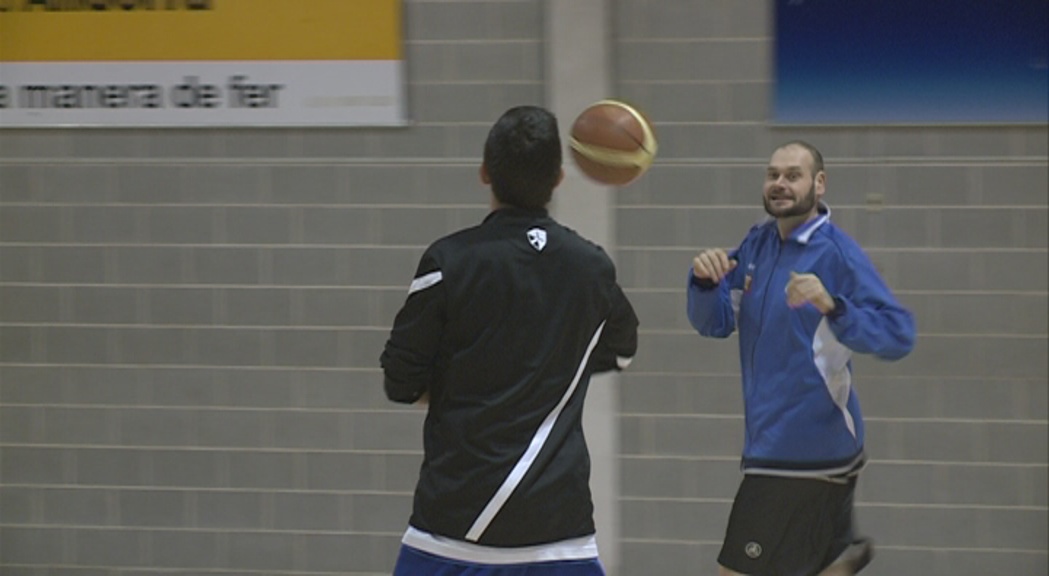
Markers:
point(804, 297)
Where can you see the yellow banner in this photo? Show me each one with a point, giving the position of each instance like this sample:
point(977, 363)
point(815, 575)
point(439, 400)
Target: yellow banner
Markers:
point(196, 30)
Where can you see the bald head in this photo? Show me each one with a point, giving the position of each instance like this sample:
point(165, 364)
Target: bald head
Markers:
point(817, 158)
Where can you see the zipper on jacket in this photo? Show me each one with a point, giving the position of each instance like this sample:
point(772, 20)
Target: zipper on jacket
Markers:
point(761, 323)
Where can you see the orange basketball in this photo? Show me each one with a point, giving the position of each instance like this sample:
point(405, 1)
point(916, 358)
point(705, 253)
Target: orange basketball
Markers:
point(612, 142)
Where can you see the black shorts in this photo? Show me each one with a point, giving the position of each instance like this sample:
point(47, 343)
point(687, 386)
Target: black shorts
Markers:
point(788, 526)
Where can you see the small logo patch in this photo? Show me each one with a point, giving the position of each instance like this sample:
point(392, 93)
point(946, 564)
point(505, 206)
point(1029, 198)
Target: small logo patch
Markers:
point(752, 550)
point(537, 238)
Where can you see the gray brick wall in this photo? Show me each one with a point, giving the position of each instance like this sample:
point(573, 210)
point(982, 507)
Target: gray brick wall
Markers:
point(190, 322)
point(190, 319)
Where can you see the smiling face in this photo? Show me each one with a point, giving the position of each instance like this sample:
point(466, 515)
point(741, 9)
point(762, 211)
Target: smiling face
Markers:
point(792, 191)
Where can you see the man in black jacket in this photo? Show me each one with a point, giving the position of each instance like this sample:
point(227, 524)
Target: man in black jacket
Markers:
point(503, 325)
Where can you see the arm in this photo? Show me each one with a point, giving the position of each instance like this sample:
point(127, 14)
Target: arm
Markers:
point(862, 312)
point(618, 344)
point(709, 304)
point(867, 318)
point(408, 358)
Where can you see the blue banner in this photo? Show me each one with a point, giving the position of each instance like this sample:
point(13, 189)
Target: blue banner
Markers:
point(911, 62)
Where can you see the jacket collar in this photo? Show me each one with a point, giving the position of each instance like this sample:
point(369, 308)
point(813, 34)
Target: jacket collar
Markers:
point(802, 234)
point(515, 212)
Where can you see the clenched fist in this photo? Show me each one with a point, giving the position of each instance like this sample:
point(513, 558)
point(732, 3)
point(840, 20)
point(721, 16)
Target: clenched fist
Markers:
point(804, 288)
point(712, 265)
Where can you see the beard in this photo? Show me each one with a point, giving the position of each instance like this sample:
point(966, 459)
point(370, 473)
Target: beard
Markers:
point(803, 205)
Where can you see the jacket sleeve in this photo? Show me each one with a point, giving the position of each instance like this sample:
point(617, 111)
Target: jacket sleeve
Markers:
point(409, 355)
point(709, 305)
point(867, 317)
point(618, 343)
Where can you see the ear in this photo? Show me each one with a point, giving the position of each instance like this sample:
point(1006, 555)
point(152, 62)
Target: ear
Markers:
point(821, 183)
point(485, 179)
point(560, 177)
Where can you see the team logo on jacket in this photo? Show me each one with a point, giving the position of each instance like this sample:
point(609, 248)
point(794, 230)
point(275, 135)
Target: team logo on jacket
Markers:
point(537, 238)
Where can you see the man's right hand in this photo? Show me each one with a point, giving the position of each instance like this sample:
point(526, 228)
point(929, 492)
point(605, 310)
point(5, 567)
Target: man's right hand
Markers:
point(712, 265)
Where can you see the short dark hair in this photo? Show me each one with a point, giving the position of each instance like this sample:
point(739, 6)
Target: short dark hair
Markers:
point(817, 158)
point(523, 157)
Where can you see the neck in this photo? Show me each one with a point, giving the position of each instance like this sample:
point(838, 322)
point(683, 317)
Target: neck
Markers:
point(788, 224)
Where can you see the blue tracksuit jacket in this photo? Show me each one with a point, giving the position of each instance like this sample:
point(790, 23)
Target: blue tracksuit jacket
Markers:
point(802, 416)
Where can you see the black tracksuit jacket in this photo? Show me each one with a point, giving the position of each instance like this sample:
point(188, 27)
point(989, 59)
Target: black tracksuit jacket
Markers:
point(503, 326)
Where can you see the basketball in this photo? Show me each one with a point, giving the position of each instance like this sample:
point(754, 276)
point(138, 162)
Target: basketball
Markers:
point(612, 142)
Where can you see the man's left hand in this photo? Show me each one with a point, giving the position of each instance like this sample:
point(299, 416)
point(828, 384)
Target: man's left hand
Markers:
point(804, 288)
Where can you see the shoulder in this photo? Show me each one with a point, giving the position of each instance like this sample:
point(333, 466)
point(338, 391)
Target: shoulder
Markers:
point(835, 238)
point(581, 246)
point(455, 241)
point(759, 233)
point(762, 228)
point(840, 249)
point(447, 252)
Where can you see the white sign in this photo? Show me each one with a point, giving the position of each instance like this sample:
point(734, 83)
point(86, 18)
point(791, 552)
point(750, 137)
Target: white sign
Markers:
point(225, 63)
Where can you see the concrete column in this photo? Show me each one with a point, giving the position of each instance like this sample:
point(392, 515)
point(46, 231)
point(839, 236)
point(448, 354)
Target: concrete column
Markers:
point(578, 73)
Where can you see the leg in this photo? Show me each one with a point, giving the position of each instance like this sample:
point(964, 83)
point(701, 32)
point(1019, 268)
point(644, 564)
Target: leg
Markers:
point(852, 560)
point(837, 570)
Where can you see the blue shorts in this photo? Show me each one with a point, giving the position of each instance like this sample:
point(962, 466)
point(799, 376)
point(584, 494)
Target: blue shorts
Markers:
point(412, 562)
